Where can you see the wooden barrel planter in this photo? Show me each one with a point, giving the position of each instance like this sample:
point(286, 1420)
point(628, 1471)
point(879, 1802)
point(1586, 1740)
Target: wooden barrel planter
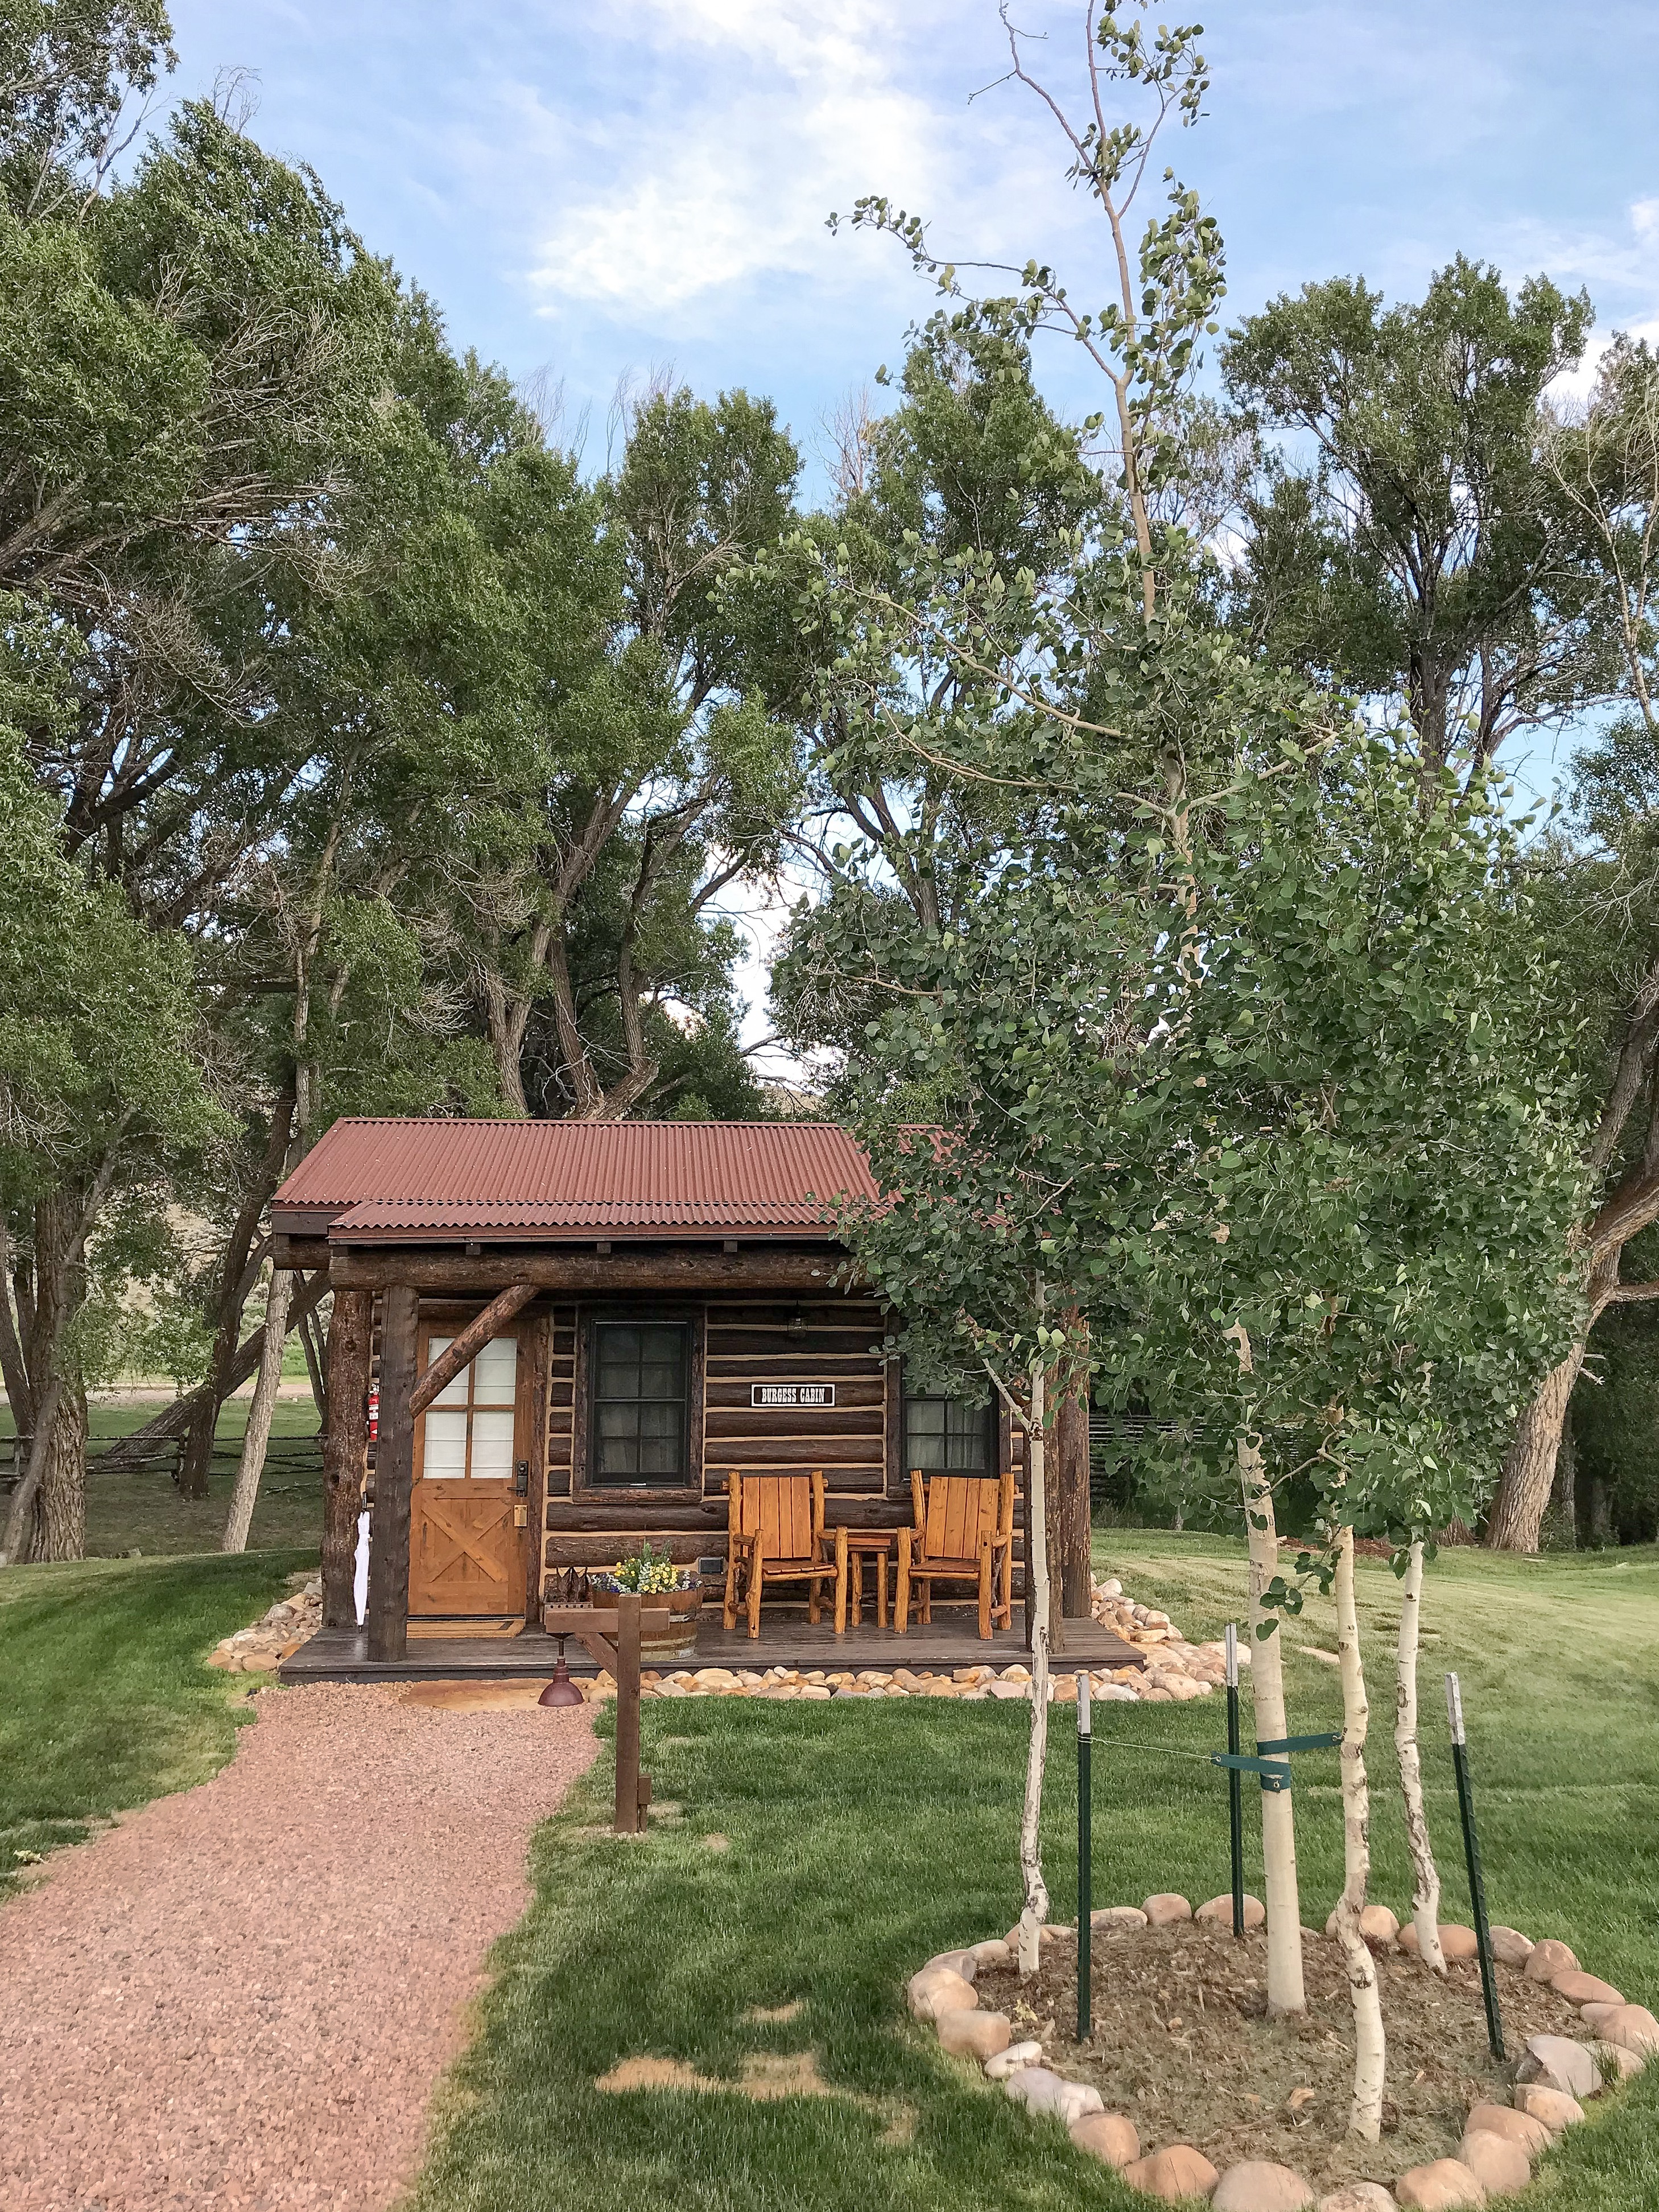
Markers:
point(668, 1623)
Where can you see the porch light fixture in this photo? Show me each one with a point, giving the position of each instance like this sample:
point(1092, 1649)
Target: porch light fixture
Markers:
point(561, 1691)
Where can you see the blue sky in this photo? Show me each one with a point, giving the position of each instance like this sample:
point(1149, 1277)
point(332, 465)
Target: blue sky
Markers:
point(597, 189)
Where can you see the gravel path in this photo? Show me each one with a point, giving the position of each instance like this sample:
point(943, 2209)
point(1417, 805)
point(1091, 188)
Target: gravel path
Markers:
point(242, 1995)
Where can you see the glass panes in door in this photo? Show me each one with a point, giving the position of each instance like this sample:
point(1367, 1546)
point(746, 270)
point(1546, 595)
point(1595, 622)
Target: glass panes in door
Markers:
point(639, 1403)
point(470, 1424)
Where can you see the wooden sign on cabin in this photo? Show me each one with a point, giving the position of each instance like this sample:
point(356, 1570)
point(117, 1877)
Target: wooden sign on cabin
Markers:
point(792, 1393)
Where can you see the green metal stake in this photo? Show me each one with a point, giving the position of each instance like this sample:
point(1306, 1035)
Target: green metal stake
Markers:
point(1084, 1745)
point(1235, 1782)
point(1472, 1852)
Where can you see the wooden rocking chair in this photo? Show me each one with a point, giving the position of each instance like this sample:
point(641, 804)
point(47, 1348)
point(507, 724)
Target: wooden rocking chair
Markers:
point(964, 1528)
point(776, 1533)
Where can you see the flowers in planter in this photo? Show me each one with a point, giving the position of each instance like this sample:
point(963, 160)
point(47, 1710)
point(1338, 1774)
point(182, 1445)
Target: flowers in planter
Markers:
point(649, 1572)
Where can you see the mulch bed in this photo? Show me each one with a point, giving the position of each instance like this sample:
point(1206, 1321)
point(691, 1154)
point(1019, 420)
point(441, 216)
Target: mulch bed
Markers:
point(1182, 2045)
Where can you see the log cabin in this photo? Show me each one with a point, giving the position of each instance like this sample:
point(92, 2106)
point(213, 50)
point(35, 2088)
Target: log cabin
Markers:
point(552, 1340)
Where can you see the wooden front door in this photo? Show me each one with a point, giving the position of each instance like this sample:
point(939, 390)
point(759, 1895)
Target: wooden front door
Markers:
point(467, 1532)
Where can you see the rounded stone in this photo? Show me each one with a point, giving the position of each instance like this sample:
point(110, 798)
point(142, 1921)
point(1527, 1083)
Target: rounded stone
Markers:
point(1549, 2107)
point(1005, 2063)
point(996, 1953)
point(1441, 2186)
point(1632, 2026)
point(1030, 2082)
point(1256, 2185)
point(1359, 2197)
point(975, 2034)
point(1509, 1947)
point(1618, 2058)
point(1547, 1960)
point(1108, 2137)
point(1129, 1918)
point(1558, 2062)
point(1178, 2171)
point(1580, 1989)
point(1500, 2166)
point(1077, 2100)
point(1532, 2134)
point(1377, 1925)
point(953, 1962)
point(1040, 2089)
point(1456, 1941)
point(1217, 1911)
point(1166, 1910)
point(936, 1989)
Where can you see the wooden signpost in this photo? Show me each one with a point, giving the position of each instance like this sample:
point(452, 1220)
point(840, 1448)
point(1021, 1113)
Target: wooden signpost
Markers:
point(611, 1636)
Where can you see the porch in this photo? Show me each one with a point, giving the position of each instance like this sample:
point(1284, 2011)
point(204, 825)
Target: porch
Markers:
point(788, 1638)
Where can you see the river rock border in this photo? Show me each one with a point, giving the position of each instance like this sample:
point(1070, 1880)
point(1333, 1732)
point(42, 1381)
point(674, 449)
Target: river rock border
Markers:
point(276, 1635)
point(1501, 2142)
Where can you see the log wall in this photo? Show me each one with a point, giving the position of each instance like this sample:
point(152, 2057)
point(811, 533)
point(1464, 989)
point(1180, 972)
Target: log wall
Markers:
point(737, 1341)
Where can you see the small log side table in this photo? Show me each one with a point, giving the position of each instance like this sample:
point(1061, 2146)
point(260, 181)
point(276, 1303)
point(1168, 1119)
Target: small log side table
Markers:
point(877, 1544)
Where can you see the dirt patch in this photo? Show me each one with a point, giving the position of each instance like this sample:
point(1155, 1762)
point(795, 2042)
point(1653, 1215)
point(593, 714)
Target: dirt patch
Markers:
point(764, 2078)
point(790, 2011)
point(1182, 2045)
point(474, 1697)
point(243, 1994)
point(764, 2075)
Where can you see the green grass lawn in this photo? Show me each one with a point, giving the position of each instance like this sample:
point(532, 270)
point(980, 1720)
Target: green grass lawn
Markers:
point(144, 1511)
point(864, 1838)
point(104, 1700)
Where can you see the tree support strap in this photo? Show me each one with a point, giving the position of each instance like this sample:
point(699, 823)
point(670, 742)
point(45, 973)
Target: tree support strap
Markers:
point(1275, 1773)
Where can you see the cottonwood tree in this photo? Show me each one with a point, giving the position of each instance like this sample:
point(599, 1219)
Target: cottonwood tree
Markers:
point(650, 776)
point(191, 357)
point(100, 1096)
point(1421, 553)
point(1603, 460)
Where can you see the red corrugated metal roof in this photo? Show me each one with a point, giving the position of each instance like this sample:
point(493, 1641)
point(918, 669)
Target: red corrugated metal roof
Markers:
point(392, 1180)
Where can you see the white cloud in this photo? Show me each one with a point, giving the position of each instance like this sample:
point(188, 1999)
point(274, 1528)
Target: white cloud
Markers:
point(755, 120)
point(1621, 271)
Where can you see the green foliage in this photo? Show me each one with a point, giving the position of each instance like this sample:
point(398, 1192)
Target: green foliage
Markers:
point(1274, 1100)
point(68, 68)
point(1421, 553)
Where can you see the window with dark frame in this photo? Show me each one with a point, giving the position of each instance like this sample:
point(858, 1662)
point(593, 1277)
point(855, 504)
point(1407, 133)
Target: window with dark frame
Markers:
point(639, 1420)
point(949, 1435)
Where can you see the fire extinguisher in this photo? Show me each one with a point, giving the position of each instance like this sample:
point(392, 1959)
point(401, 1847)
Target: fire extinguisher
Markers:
point(374, 1411)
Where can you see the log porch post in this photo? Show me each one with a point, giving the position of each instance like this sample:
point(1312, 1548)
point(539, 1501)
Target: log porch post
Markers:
point(394, 1478)
point(345, 1451)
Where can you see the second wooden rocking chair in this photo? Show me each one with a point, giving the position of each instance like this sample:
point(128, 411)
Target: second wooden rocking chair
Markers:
point(963, 1533)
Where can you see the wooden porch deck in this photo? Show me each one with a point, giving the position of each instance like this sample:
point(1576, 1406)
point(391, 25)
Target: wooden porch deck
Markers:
point(340, 1655)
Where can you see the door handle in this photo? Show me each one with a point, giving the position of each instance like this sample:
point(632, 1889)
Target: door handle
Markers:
point(521, 1478)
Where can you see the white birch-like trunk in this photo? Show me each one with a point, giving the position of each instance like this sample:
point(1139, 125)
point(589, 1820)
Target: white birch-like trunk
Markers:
point(1286, 1993)
point(1365, 2115)
point(1425, 1876)
point(1035, 1908)
point(258, 1433)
